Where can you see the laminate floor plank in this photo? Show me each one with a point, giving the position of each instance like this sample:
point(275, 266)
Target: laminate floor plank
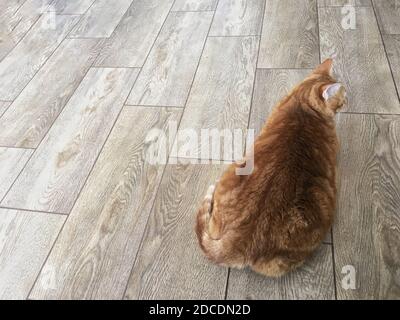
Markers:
point(27, 121)
point(194, 5)
point(132, 40)
point(366, 234)
point(12, 161)
point(25, 241)
point(360, 61)
point(312, 281)
point(220, 97)
point(57, 171)
point(388, 14)
point(392, 43)
point(166, 76)
point(71, 6)
point(169, 247)
point(101, 19)
point(14, 27)
point(289, 35)
point(97, 247)
point(21, 64)
point(238, 18)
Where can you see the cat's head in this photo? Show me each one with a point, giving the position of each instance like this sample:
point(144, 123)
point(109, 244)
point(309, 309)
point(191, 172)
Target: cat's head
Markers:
point(323, 91)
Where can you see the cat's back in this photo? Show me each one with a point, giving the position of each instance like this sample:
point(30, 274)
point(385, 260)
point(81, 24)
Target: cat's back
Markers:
point(294, 176)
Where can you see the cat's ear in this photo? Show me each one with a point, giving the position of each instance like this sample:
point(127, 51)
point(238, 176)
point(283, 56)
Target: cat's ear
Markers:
point(334, 96)
point(331, 90)
point(325, 67)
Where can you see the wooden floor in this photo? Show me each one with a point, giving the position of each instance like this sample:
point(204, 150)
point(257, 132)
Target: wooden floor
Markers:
point(84, 215)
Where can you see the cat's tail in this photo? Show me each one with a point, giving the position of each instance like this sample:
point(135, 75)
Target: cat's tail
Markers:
point(204, 215)
point(210, 246)
point(213, 240)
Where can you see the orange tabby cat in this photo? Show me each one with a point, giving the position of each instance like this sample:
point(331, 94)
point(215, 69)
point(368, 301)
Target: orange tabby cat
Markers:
point(273, 219)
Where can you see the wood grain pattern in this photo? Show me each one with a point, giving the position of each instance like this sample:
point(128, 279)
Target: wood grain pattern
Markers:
point(360, 61)
point(19, 67)
point(367, 230)
point(340, 3)
point(101, 19)
point(238, 18)
point(388, 15)
point(194, 5)
point(25, 240)
point(130, 222)
point(9, 7)
point(166, 76)
point(28, 9)
point(221, 94)
point(97, 247)
point(71, 6)
point(57, 171)
point(170, 247)
point(313, 281)
point(4, 106)
point(289, 35)
point(392, 43)
point(132, 40)
point(14, 26)
point(29, 118)
point(12, 162)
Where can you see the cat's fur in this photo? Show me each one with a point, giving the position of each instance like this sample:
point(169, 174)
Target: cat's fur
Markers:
point(273, 219)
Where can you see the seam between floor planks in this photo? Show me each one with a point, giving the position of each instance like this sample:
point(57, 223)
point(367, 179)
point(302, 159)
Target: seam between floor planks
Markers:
point(11, 185)
point(152, 106)
point(255, 73)
point(227, 284)
point(13, 147)
point(384, 48)
point(333, 264)
point(241, 36)
point(370, 113)
point(192, 10)
point(33, 211)
point(318, 32)
point(47, 257)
